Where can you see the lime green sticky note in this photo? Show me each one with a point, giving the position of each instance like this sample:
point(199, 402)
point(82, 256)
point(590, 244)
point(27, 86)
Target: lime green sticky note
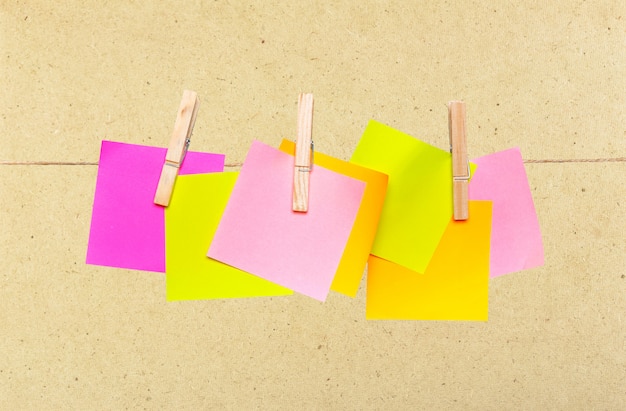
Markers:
point(418, 205)
point(191, 219)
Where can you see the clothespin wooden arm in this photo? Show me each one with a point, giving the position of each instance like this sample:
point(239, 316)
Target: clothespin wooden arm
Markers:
point(179, 143)
point(460, 162)
point(303, 158)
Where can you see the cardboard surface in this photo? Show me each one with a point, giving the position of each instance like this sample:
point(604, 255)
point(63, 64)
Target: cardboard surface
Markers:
point(548, 79)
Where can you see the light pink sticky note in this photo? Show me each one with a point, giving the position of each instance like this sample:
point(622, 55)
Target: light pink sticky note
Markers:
point(127, 228)
point(515, 235)
point(260, 234)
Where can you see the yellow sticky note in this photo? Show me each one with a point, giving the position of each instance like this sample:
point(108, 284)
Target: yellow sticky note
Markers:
point(455, 285)
point(418, 205)
point(358, 247)
point(190, 223)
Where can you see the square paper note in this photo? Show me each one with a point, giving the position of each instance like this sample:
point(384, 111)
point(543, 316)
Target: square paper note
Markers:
point(455, 285)
point(515, 235)
point(359, 245)
point(260, 234)
point(418, 205)
point(190, 223)
point(127, 228)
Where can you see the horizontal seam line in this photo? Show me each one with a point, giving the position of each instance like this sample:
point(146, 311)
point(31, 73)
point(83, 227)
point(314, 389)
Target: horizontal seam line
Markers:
point(91, 163)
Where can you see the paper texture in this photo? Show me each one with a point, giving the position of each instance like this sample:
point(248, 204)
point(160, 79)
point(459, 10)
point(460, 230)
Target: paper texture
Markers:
point(260, 234)
point(454, 286)
point(418, 205)
point(352, 265)
point(127, 228)
point(190, 223)
point(515, 234)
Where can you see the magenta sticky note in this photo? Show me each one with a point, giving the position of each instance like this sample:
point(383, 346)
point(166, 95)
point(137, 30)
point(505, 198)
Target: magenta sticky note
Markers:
point(259, 233)
point(515, 235)
point(127, 228)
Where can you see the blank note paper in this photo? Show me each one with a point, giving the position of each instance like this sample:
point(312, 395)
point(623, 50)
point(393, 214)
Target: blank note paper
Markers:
point(190, 223)
point(418, 205)
point(260, 234)
point(515, 235)
point(127, 228)
point(455, 285)
point(357, 250)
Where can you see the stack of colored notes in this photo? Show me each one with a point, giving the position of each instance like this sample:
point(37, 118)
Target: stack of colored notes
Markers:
point(386, 213)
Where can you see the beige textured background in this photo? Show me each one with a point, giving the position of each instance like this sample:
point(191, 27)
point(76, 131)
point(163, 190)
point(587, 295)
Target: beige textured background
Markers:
point(549, 79)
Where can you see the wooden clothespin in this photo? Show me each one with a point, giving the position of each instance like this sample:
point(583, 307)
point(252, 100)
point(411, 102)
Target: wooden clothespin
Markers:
point(181, 137)
point(460, 162)
point(304, 153)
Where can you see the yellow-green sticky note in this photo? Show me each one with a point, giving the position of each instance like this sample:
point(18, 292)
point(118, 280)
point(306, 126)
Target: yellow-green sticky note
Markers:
point(190, 223)
point(455, 285)
point(418, 205)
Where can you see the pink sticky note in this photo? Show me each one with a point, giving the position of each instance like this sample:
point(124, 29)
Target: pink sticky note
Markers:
point(127, 228)
point(515, 235)
point(260, 234)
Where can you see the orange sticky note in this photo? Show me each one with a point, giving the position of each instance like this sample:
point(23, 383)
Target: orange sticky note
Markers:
point(456, 282)
point(356, 253)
